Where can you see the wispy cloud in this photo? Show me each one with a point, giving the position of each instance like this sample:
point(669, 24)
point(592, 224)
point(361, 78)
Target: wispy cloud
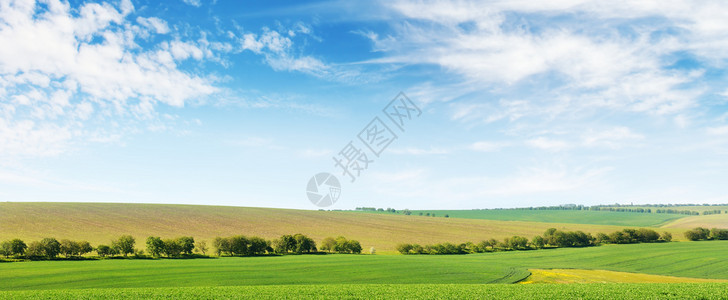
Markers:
point(575, 57)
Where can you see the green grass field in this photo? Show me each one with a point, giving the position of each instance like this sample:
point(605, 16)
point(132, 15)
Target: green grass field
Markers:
point(360, 276)
point(398, 291)
point(561, 216)
point(684, 259)
point(98, 223)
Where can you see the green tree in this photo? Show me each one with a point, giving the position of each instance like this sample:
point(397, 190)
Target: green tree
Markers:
point(404, 248)
point(328, 244)
point(125, 245)
point(239, 245)
point(602, 238)
point(648, 235)
point(14, 247)
point(698, 233)
point(285, 244)
point(35, 249)
point(69, 248)
point(51, 247)
point(719, 234)
point(103, 250)
point(172, 247)
point(537, 242)
point(187, 243)
point(222, 245)
point(340, 246)
point(518, 243)
point(84, 247)
point(304, 244)
point(353, 246)
point(666, 236)
point(201, 246)
point(155, 246)
point(257, 245)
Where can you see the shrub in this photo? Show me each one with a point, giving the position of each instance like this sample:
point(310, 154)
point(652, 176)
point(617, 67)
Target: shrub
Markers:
point(697, 234)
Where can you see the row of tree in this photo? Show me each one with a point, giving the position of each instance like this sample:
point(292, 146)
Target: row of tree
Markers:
point(700, 233)
point(611, 207)
point(552, 238)
point(340, 245)
point(238, 245)
point(47, 247)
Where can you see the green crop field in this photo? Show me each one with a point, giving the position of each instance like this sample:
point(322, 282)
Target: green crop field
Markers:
point(683, 259)
point(98, 223)
point(560, 216)
point(398, 291)
point(360, 276)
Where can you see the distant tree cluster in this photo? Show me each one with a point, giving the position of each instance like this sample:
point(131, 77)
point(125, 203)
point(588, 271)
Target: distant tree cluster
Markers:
point(640, 208)
point(341, 245)
point(552, 238)
point(297, 243)
point(239, 245)
point(170, 247)
point(389, 209)
point(700, 233)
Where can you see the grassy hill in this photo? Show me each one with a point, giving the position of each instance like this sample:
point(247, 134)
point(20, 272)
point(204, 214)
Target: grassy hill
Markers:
point(98, 223)
point(561, 216)
point(709, 221)
point(683, 259)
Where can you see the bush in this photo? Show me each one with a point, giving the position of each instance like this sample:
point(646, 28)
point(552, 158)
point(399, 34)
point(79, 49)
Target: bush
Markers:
point(697, 234)
point(666, 236)
point(347, 246)
point(719, 234)
point(104, 250)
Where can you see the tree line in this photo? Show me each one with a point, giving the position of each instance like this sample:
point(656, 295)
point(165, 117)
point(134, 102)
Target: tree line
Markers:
point(552, 238)
point(239, 245)
point(612, 207)
point(705, 234)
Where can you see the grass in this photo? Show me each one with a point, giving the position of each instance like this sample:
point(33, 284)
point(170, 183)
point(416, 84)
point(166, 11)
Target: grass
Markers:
point(603, 276)
point(709, 221)
point(684, 259)
point(561, 216)
point(397, 291)
point(98, 223)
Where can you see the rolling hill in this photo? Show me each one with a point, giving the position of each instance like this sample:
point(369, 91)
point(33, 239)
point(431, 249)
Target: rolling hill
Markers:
point(98, 223)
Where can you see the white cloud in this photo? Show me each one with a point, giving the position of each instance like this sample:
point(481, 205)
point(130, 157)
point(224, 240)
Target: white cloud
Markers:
point(61, 67)
point(720, 130)
point(548, 144)
point(613, 138)
point(484, 146)
point(196, 3)
point(280, 54)
point(575, 56)
point(156, 24)
point(315, 153)
point(418, 151)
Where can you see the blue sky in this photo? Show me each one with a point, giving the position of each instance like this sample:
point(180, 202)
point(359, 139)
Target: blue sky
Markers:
point(524, 103)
